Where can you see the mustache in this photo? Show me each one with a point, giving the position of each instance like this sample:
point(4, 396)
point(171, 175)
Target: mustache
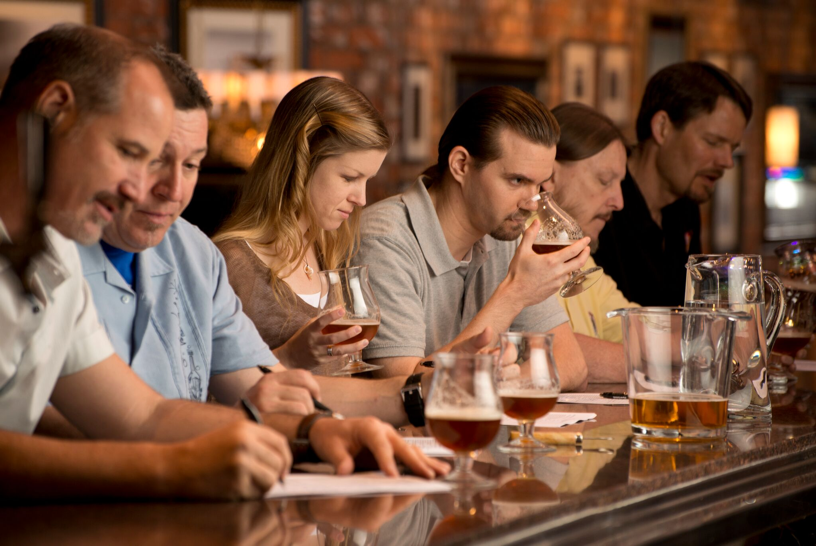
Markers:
point(111, 201)
point(520, 215)
point(714, 173)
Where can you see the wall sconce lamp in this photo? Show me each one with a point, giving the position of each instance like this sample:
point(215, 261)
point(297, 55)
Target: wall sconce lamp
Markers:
point(782, 136)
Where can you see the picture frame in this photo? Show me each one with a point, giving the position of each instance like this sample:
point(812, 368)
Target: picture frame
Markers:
point(578, 72)
point(615, 83)
point(21, 20)
point(234, 35)
point(416, 112)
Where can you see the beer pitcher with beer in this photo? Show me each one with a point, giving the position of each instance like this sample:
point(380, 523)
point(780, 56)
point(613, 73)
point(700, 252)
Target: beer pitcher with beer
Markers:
point(736, 282)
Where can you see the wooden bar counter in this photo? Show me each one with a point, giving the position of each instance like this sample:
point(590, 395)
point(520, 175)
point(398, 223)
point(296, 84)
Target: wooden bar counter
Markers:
point(761, 481)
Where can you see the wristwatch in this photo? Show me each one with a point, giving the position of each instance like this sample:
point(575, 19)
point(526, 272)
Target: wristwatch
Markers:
point(301, 447)
point(412, 400)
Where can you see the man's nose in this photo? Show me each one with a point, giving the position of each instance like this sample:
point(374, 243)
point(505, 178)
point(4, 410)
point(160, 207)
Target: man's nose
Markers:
point(725, 158)
point(169, 184)
point(135, 186)
point(616, 200)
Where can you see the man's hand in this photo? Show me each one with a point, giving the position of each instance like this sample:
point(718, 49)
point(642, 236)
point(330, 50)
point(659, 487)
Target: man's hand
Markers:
point(308, 348)
point(285, 392)
point(532, 278)
point(240, 461)
point(338, 442)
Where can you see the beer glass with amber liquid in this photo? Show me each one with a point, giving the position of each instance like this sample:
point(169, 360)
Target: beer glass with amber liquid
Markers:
point(559, 230)
point(679, 370)
point(464, 411)
point(533, 392)
point(349, 289)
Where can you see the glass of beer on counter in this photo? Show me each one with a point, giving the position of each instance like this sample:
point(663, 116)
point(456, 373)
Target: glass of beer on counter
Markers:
point(531, 392)
point(559, 230)
point(349, 289)
point(797, 329)
point(464, 411)
point(679, 370)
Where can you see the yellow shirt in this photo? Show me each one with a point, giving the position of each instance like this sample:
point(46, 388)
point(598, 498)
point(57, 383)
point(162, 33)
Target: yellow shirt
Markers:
point(594, 303)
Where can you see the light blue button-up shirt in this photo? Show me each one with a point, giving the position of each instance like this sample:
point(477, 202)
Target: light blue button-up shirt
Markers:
point(182, 322)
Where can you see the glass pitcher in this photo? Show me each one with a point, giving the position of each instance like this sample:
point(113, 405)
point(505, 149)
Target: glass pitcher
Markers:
point(736, 282)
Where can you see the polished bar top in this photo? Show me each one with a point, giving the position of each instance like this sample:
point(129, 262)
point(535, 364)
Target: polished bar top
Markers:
point(613, 490)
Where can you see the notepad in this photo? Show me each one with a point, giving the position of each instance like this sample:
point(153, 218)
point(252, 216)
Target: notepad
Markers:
point(555, 419)
point(429, 446)
point(364, 483)
point(594, 398)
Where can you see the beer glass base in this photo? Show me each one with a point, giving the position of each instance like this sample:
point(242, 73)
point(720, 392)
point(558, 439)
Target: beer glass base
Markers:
point(525, 445)
point(350, 369)
point(644, 432)
point(580, 281)
point(469, 480)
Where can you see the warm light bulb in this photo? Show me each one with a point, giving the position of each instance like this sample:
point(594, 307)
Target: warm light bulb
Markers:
point(782, 136)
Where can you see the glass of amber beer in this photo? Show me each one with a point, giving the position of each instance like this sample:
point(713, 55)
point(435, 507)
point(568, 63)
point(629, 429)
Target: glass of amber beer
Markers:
point(349, 289)
point(464, 411)
point(679, 368)
point(533, 392)
point(557, 231)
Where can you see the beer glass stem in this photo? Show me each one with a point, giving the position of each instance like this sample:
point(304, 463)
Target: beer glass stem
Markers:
point(526, 432)
point(462, 466)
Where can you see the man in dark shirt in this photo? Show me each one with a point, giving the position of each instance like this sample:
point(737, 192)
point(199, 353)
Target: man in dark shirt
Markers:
point(690, 122)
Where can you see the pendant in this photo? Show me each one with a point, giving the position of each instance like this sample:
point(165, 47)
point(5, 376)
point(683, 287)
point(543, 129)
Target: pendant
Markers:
point(308, 270)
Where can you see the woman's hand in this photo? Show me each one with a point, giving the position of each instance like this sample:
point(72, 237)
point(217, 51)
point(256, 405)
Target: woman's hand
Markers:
point(309, 347)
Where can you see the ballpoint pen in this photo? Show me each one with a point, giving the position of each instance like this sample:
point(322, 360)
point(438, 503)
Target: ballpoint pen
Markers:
point(254, 415)
point(614, 395)
point(318, 405)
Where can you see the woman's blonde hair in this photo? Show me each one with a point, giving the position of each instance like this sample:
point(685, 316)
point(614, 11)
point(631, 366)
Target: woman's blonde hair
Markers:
point(320, 118)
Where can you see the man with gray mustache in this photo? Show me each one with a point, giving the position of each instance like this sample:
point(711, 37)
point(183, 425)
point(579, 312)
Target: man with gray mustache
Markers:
point(690, 122)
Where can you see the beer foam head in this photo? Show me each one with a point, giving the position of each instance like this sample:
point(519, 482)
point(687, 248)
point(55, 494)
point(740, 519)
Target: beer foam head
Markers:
point(463, 414)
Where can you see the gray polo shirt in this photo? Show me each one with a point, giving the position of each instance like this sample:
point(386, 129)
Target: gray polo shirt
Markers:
point(425, 294)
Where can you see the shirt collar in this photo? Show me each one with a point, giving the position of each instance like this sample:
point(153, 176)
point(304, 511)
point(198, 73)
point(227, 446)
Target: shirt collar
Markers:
point(428, 230)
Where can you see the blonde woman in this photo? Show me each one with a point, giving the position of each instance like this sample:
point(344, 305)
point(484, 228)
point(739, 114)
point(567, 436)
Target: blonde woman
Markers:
point(299, 213)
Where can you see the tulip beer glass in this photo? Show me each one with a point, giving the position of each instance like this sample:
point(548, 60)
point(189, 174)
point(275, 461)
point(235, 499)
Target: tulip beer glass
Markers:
point(532, 393)
point(735, 282)
point(464, 411)
point(350, 290)
point(557, 231)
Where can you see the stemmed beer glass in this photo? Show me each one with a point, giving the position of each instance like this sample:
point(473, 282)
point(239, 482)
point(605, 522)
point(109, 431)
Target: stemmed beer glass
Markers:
point(464, 411)
point(532, 393)
point(349, 289)
point(559, 230)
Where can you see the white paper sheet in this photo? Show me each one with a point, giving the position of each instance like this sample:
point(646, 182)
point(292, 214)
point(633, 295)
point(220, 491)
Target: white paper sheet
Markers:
point(430, 447)
point(364, 483)
point(590, 398)
point(555, 419)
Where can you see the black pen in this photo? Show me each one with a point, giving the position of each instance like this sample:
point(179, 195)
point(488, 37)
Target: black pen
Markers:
point(616, 395)
point(254, 415)
point(319, 405)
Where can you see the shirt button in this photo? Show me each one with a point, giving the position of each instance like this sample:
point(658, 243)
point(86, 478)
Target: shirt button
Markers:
point(126, 299)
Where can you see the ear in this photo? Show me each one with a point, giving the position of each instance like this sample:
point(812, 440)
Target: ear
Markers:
point(459, 163)
point(58, 104)
point(661, 126)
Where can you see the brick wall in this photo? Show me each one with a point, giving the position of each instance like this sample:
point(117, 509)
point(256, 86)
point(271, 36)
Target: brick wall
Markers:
point(369, 41)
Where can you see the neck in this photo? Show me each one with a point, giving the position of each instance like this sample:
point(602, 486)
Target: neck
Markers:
point(448, 201)
point(13, 194)
point(642, 164)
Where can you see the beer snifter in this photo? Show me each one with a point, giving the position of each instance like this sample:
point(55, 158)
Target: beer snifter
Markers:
point(736, 282)
point(349, 289)
point(679, 370)
point(559, 230)
point(464, 411)
point(532, 393)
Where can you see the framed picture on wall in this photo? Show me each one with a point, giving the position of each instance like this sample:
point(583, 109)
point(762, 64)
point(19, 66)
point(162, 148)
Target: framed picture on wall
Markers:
point(21, 20)
point(237, 35)
point(614, 83)
point(578, 72)
point(416, 112)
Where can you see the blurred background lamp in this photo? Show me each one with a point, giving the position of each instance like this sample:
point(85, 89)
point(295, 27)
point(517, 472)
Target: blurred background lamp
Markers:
point(782, 136)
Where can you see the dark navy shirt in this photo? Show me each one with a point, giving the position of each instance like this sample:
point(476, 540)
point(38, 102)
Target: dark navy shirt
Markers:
point(649, 262)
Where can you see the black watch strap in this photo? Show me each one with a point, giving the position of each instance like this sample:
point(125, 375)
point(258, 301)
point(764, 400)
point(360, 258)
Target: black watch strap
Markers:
point(301, 447)
point(412, 400)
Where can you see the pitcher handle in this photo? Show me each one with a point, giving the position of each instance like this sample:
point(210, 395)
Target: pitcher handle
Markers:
point(776, 309)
